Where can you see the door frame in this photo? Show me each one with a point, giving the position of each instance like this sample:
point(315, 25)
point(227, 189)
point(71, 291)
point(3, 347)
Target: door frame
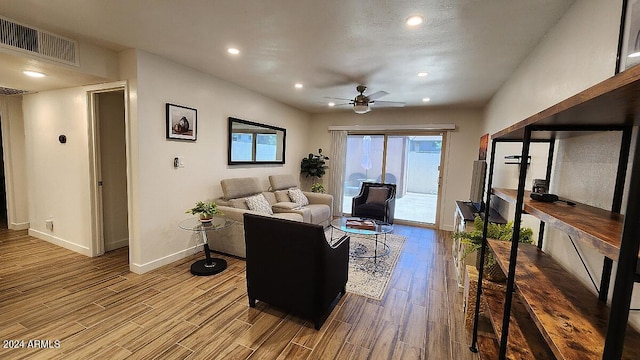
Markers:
point(97, 225)
point(444, 136)
point(405, 132)
point(9, 170)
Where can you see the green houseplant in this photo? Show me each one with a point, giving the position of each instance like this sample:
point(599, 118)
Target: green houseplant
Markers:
point(318, 188)
point(314, 166)
point(205, 210)
point(473, 242)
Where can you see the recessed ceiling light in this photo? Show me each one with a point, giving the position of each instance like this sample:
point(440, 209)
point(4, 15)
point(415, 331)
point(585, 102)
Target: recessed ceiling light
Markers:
point(414, 20)
point(426, 99)
point(332, 104)
point(233, 51)
point(423, 74)
point(298, 86)
point(34, 74)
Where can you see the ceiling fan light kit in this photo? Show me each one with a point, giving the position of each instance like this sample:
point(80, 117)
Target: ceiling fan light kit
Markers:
point(361, 102)
point(361, 109)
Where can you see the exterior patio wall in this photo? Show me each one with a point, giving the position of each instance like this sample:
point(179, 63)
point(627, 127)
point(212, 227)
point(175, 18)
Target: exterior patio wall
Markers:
point(422, 172)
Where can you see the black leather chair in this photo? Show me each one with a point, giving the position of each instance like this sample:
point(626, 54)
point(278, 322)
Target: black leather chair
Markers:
point(375, 201)
point(291, 265)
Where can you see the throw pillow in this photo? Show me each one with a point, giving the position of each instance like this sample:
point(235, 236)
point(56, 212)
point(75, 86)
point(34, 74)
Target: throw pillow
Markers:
point(298, 197)
point(282, 196)
point(259, 203)
point(377, 195)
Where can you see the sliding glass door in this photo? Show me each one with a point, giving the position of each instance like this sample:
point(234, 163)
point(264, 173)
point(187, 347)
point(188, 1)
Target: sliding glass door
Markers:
point(364, 163)
point(412, 162)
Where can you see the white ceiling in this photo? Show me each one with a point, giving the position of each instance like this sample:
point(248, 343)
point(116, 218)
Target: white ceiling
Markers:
point(468, 47)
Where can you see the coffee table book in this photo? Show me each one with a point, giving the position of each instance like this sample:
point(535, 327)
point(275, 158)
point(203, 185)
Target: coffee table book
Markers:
point(361, 224)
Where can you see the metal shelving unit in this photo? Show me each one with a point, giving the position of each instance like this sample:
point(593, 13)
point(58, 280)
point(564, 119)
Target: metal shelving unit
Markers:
point(612, 105)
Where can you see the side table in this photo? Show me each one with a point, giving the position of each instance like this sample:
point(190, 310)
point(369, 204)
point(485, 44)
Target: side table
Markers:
point(208, 265)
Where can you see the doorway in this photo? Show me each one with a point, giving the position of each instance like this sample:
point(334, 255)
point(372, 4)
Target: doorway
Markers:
point(110, 170)
point(411, 161)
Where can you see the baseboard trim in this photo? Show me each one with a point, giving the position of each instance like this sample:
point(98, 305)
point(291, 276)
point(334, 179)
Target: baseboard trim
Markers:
point(19, 226)
point(60, 242)
point(152, 265)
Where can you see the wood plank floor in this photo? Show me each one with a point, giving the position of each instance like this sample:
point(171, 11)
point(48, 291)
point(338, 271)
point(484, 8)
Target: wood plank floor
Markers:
point(93, 308)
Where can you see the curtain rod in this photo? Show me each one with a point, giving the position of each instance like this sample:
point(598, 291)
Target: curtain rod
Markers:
point(392, 127)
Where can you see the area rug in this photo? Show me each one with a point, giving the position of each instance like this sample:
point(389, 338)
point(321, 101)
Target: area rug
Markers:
point(368, 277)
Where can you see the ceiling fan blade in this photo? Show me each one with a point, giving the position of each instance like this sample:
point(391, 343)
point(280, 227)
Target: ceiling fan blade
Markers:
point(387, 103)
point(377, 95)
point(335, 98)
point(343, 104)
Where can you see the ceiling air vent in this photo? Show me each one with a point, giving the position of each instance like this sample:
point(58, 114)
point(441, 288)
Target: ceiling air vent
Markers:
point(9, 91)
point(37, 42)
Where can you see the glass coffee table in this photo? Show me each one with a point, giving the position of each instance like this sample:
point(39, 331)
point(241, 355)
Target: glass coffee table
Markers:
point(208, 265)
point(357, 226)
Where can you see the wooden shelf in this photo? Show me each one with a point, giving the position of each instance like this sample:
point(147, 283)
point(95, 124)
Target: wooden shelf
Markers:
point(489, 348)
point(525, 341)
point(613, 102)
point(569, 316)
point(598, 228)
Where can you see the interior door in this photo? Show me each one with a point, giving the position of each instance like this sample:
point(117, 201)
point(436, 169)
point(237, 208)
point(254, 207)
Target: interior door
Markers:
point(112, 178)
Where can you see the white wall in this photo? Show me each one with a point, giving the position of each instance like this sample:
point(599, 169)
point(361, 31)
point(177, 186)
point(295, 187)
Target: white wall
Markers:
point(98, 61)
point(58, 173)
point(162, 193)
point(158, 193)
point(577, 53)
point(460, 152)
point(13, 142)
point(128, 67)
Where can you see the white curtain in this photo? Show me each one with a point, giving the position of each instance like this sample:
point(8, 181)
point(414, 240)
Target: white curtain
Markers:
point(336, 174)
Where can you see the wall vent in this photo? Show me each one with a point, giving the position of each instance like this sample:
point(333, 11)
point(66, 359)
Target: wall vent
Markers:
point(38, 42)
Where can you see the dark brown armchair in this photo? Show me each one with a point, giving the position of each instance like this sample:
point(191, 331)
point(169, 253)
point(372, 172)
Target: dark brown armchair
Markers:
point(291, 265)
point(375, 201)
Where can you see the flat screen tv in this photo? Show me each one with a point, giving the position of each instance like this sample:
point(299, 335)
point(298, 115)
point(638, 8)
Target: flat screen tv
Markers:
point(477, 184)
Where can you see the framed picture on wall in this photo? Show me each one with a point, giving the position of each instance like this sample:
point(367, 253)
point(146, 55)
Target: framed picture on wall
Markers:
point(182, 122)
point(629, 46)
point(484, 145)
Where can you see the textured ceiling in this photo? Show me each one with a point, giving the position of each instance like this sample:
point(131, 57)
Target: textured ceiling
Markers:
point(468, 47)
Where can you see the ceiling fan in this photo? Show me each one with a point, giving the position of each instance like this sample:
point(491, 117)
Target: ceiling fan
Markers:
point(361, 102)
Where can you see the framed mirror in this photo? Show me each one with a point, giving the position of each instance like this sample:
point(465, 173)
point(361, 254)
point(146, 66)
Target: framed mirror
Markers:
point(254, 143)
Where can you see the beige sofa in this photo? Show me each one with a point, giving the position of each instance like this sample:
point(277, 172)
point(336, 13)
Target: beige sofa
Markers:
point(233, 205)
point(320, 208)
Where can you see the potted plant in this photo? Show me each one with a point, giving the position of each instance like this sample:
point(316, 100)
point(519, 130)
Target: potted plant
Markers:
point(314, 165)
point(205, 210)
point(473, 242)
point(318, 188)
